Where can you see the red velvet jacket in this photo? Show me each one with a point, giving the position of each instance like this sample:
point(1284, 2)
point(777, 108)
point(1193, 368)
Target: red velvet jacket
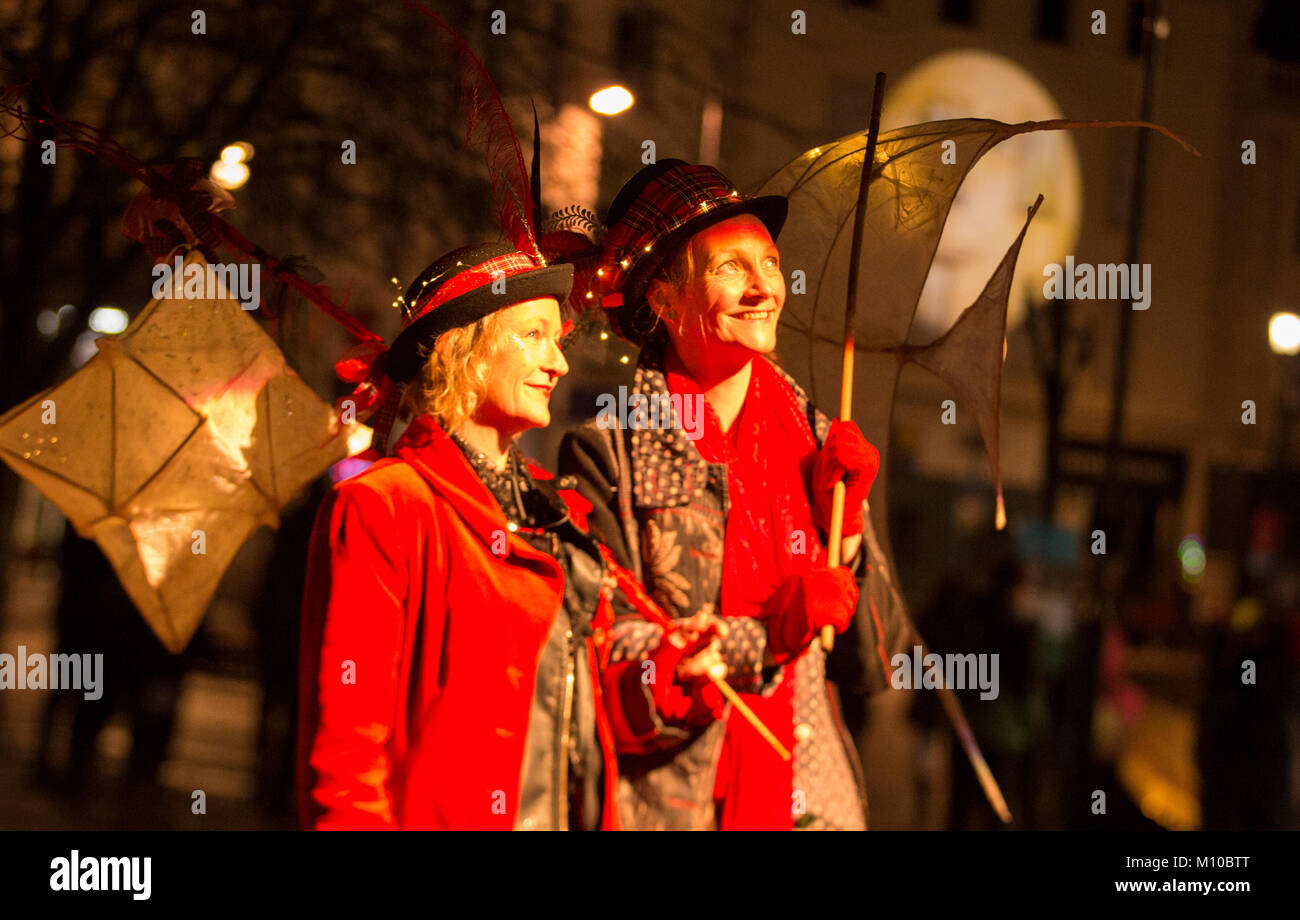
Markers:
point(420, 649)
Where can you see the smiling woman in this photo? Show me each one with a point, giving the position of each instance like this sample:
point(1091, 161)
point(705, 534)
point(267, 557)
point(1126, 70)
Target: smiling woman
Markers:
point(454, 375)
point(720, 299)
point(525, 368)
point(494, 376)
point(731, 521)
point(455, 662)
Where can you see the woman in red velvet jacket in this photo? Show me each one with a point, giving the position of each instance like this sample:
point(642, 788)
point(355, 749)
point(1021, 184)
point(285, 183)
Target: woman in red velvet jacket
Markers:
point(456, 613)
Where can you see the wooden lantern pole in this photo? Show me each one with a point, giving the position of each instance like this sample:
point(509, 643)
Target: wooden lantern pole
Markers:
point(949, 700)
point(850, 318)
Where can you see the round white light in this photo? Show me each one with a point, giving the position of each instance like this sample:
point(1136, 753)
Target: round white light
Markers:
point(237, 152)
point(47, 323)
point(228, 175)
point(108, 320)
point(1284, 333)
point(611, 100)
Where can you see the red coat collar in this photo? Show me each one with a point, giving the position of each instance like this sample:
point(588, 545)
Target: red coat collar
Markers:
point(435, 456)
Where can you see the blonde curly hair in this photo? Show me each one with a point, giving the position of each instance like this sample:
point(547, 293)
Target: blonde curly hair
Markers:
point(453, 377)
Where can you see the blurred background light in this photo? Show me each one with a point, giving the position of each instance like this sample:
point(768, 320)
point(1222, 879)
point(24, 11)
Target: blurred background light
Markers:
point(1284, 333)
point(47, 324)
point(990, 209)
point(359, 439)
point(84, 348)
point(238, 152)
point(108, 320)
point(1191, 554)
point(228, 175)
point(611, 100)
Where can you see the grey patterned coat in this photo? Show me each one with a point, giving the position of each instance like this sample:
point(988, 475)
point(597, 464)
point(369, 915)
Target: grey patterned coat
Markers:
point(662, 509)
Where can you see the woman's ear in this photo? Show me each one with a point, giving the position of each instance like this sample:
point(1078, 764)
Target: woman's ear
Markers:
point(662, 298)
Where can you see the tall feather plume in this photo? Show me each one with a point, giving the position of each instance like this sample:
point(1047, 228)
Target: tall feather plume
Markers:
point(536, 190)
point(487, 126)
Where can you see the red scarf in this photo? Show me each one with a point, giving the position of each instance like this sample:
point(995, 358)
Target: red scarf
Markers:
point(769, 454)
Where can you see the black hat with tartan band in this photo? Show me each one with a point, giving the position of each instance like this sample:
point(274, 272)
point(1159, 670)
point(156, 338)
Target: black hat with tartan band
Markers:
point(655, 213)
point(464, 286)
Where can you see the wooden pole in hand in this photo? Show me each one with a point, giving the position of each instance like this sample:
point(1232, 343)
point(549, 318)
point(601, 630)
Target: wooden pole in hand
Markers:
point(734, 699)
point(655, 614)
point(850, 318)
point(949, 699)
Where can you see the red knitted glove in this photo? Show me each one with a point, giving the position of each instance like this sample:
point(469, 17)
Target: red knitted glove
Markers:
point(849, 456)
point(802, 604)
point(707, 702)
point(693, 700)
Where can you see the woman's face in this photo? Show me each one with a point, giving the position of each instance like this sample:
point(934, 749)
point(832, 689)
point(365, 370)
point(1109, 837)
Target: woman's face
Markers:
point(525, 369)
point(728, 311)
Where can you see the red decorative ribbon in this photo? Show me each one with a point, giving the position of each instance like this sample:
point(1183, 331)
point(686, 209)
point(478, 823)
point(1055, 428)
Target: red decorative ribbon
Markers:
point(481, 275)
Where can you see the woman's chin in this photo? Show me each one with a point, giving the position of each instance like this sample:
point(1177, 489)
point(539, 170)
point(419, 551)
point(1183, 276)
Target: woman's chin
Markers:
point(535, 420)
point(757, 338)
point(760, 343)
point(513, 426)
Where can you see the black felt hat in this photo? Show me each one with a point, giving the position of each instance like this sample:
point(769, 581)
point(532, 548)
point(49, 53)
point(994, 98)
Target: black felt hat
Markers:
point(464, 286)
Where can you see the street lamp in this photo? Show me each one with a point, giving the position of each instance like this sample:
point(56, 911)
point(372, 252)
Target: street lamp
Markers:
point(612, 100)
point(1284, 333)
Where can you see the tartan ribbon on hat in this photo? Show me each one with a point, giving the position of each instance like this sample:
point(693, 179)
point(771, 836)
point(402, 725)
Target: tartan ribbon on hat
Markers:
point(668, 201)
point(481, 275)
point(376, 397)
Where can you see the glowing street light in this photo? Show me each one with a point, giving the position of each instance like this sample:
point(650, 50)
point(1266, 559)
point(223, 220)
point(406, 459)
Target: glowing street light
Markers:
point(231, 171)
point(611, 100)
point(1284, 333)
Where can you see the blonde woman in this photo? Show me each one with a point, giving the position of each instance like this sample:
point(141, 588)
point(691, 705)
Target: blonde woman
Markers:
point(456, 612)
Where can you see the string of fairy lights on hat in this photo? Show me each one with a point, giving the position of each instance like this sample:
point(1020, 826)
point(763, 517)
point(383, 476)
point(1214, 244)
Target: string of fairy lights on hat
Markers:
point(400, 302)
point(623, 263)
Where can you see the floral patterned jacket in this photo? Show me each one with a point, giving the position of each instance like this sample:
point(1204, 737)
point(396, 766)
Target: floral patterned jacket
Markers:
point(662, 509)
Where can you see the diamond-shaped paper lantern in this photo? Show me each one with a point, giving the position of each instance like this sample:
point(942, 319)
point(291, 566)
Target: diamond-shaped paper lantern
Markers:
point(172, 445)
